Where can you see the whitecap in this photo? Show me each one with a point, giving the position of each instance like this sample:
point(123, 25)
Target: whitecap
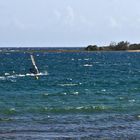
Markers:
point(13, 71)
point(13, 80)
point(121, 98)
point(67, 85)
point(131, 101)
point(76, 93)
point(80, 107)
point(86, 59)
point(19, 75)
point(12, 109)
point(7, 73)
point(45, 94)
point(12, 76)
point(88, 65)
point(29, 74)
point(70, 79)
point(86, 89)
point(103, 90)
point(2, 78)
point(43, 73)
point(7, 53)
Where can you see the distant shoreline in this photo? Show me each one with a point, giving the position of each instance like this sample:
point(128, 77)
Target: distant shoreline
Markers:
point(133, 50)
point(63, 51)
point(35, 50)
point(58, 50)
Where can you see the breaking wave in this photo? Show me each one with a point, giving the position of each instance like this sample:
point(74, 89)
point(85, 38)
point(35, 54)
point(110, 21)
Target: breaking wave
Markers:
point(13, 76)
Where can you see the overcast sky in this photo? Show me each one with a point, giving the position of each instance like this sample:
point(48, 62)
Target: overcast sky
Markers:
point(68, 22)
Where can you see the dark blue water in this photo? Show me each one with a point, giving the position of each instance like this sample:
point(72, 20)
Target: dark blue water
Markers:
point(79, 95)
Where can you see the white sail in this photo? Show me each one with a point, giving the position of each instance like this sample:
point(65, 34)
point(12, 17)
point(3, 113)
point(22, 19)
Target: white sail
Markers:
point(34, 64)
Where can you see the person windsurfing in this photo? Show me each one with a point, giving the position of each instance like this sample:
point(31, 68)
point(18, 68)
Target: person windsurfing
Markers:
point(34, 70)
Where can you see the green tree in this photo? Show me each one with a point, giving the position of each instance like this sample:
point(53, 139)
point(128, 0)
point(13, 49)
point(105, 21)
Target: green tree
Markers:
point(123, 45)
point(92, 48)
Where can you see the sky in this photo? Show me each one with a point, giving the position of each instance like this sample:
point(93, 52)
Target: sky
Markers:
point(68, 23)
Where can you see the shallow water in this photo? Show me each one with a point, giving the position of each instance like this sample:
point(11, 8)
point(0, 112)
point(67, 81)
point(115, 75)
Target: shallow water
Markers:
point(78, 95)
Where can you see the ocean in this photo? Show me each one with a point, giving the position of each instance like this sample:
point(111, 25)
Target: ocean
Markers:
point(79, 95)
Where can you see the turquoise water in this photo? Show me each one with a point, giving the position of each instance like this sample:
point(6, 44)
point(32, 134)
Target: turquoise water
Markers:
point(78, 96)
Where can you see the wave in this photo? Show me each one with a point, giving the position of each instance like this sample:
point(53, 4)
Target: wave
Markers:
point(64, 109)
point(60, 94)
point(8, 111)
point(13, 76)
point(78, 109)
point(88, 65)
point(68, 109)
point(39, 74)
point(67, 85)
point(2, 78)
point(5, 119)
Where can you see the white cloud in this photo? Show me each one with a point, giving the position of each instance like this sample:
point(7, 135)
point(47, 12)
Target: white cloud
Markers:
point(70, 16)
point(114, 23)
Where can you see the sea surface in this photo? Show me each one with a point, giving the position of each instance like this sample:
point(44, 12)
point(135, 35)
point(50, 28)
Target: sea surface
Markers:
point(79, 95)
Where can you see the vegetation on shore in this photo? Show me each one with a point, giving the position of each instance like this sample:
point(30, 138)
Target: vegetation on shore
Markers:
point(121, 46)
